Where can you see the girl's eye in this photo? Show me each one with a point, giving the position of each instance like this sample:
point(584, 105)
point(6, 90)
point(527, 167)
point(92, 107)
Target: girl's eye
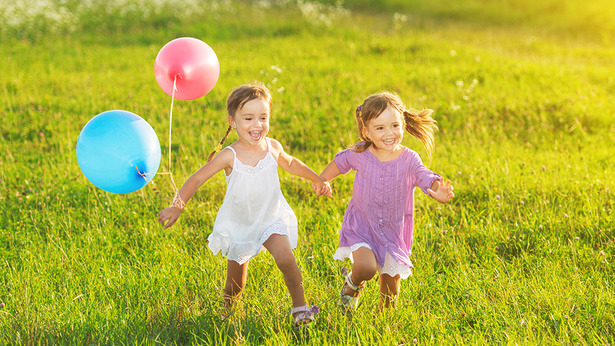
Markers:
point(379, 128)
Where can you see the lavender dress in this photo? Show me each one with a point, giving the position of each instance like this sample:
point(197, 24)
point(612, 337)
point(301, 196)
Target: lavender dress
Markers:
point(380, 215)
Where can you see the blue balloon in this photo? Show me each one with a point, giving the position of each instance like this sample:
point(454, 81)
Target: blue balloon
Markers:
point(109, 147)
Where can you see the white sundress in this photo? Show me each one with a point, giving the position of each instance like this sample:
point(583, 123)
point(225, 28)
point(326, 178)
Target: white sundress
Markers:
point(254, 208)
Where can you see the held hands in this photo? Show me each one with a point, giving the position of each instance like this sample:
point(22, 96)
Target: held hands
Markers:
point(171, 214)
point(322, 187)
point(440, 191)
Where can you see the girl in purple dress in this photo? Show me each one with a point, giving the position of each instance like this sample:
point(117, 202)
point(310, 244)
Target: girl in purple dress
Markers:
point(376, 233)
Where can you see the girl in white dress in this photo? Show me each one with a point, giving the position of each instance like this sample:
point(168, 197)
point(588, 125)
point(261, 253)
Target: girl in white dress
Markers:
point(254, 214)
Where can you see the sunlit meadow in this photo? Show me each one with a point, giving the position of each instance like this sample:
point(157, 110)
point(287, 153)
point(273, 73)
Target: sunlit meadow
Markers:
point(523, 93)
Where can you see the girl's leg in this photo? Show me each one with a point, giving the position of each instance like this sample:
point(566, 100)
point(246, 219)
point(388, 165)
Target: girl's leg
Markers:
point(236, 275)
point(279, 247)
point(389, 289)
point(364, 268)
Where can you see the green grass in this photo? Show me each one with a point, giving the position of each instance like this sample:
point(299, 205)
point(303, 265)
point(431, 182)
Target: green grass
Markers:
point(522, 255)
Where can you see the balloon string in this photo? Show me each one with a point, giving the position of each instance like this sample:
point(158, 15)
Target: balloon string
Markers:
point(171, 118)
point(170, 122)
point(143, 174)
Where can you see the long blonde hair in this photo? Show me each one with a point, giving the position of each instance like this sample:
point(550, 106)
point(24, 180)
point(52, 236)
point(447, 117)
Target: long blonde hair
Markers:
point(237, 99)
point(419, 124)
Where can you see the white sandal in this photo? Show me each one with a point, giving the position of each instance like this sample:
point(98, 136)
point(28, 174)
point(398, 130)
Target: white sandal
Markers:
point(346, 301)
point(303, 315)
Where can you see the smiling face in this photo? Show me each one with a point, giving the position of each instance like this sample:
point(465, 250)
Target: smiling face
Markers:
point(252, 121)
point(385, 131)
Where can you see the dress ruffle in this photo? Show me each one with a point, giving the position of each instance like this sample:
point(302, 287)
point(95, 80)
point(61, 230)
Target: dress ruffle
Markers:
point(391, 266)
point(242, 252)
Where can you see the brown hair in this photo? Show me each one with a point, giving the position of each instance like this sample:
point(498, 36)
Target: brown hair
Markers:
point(237, 99)
point(419, 124)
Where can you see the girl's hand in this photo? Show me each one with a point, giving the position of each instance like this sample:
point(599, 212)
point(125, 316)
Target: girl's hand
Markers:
point(171, 214)
point(322, 187)
point(440, 191)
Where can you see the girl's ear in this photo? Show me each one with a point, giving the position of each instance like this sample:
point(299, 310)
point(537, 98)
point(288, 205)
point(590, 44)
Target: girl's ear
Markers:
point(231, 121)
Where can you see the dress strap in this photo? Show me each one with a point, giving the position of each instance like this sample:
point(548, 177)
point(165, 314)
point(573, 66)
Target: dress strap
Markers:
point(269, 150)
point(233, 150)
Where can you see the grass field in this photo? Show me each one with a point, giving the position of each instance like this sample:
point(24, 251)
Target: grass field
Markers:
point(523, 92)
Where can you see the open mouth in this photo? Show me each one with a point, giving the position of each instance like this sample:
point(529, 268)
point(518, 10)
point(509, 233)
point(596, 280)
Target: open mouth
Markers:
point(389, 141)
point(255, 135)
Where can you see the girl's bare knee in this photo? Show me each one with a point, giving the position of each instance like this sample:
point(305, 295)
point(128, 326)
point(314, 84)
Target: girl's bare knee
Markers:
point(364, 271)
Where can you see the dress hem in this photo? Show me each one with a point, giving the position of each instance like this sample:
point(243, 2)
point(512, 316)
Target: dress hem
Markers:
point(391, 266)
point(243, 252)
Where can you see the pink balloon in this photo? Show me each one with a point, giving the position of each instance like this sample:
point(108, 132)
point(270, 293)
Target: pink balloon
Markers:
point(194, 64)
